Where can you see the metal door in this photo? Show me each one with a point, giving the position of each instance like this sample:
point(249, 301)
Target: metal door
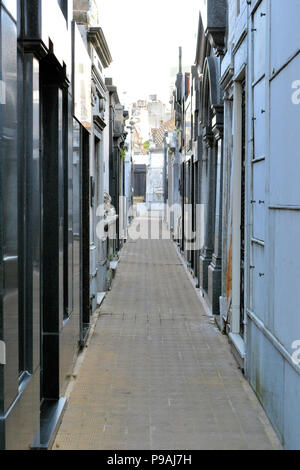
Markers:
point(257, 302)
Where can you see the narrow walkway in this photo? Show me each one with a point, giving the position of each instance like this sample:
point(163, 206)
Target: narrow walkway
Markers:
point(158, 375)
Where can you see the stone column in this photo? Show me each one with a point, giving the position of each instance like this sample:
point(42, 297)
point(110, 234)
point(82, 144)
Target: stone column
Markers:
point(209, 229)
point(215, 268)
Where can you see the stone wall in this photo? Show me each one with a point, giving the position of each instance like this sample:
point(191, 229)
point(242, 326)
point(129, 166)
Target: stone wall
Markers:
point(87, 12)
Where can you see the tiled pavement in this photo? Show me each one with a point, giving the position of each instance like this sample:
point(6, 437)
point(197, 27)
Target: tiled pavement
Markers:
point(158, 375)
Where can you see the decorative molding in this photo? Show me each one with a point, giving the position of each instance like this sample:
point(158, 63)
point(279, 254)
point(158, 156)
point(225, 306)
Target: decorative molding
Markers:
point(34, 46)
point(284, 208)
point(112, 91)
point(211, 79)
point(227, 77)
point(97, 38)
point(218, 122)
point(208, 136)
point(216, 37)
point(217, 25)
point(99, 82)
point(240, 41)
point(99, 123)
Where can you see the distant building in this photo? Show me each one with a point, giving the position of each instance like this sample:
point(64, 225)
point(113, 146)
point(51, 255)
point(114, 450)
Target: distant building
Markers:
point(151, 120)
point(157, 112)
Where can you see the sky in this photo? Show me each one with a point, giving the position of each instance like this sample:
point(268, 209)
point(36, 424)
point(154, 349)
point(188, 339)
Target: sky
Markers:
point(144, 39)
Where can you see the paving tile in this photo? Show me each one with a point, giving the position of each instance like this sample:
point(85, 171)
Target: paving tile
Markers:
point(157, 373)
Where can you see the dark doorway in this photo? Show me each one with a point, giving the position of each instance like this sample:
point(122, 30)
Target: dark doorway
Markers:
point(52, 138)
point(85, 246)
point(182, 195)
point(140, 174)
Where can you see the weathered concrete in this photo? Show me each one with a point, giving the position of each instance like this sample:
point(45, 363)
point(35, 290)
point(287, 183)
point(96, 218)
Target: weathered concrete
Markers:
point(157, 373)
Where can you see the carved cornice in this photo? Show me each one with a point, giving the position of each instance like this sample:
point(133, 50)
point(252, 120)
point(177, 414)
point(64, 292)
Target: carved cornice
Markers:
point(99, 123)
point(227, 77)
point(218, 132)
point(99, 82)
point(216, 37)
point(208, 136)
point(97, 38)
point(34, 46)
point(218, 122)
point(216, 25)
